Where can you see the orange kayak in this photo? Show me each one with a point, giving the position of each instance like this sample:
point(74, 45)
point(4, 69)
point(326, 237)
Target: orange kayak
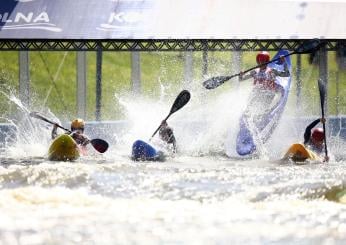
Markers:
point(299, 153)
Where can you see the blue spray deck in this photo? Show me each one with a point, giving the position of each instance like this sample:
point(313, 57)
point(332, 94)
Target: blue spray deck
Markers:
point(246, 144)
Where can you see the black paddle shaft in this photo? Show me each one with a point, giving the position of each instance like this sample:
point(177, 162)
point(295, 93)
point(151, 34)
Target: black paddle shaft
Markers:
point(322, 89)
point(38, 116)
point(181, 100)
point(99, 144)
point(306, 47)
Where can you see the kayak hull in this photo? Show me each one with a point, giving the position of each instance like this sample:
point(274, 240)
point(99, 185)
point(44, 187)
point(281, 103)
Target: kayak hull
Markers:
point(142, 151)
point(245, 143)
point(252, 134)
point(299, 153)
point(63, 148)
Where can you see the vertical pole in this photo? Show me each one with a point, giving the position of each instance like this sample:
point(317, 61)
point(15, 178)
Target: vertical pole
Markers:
point(136, 72)
point(299, 82)
point(81, 84)
point(205, 63)
point(24, 77)
point(188, 74)
point(337, 99)
point(98, 84)
point(236, 64)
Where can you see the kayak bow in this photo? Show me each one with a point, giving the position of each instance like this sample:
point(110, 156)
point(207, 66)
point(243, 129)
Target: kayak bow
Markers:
point(63, 148)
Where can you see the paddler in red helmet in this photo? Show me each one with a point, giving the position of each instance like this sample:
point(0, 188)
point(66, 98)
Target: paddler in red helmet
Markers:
point(266, 90)
point(264, 76)
point(314, 137)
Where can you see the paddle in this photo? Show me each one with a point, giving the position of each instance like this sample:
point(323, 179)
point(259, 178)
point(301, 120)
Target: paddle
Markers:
point(181, 100)
point(306, 47)
point(322, 89)
point(99, 144)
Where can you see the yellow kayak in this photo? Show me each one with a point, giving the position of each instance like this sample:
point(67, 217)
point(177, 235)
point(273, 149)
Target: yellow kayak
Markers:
point(299, 153)
point(63, 148)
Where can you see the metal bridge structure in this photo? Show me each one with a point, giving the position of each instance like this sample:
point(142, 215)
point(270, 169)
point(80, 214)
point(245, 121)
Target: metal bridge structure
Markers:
point(160, 45)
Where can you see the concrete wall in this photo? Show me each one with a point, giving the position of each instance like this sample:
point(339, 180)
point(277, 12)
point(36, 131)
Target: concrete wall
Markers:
point(109, 130)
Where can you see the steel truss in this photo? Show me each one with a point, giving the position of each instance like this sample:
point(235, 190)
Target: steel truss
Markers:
point(159, 45)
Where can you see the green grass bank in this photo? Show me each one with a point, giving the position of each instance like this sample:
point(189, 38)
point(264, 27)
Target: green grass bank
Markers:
point(53, 80)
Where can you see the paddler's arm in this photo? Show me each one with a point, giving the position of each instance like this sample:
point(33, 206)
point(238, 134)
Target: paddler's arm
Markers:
point(54, 133)
point(249, 75)
point(172, 140)
point(308, 129)
point(80, 138)
point(285, 72)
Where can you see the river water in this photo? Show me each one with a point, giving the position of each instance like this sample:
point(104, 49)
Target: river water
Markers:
point(199, 196)
point(190, 200)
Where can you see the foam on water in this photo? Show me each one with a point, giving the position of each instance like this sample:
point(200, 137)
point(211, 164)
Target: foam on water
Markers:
point(200, 127)
point(188, 200)
point(32, 136)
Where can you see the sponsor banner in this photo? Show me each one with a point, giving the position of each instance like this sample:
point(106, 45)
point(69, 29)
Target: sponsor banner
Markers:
point(172, 19)
point(74, 19)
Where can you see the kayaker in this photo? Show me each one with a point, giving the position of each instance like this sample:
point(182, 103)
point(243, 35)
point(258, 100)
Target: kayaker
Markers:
point(264, 76)
point(77, 132)
point(314, 137)
point(264, 81)
point(142, 151)
point(167, 136)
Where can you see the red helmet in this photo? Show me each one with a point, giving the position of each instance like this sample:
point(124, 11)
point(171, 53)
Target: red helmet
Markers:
point(317, 134)
point(262, 57)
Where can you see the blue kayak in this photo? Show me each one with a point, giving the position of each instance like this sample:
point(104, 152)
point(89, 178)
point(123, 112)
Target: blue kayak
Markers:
point(263, 128)
point(142, 151)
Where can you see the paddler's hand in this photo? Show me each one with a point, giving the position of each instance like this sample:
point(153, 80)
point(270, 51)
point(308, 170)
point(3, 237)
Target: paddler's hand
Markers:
point(241, 74)
point(54, 133)
point(323, 120)
point(282, 59)
point(326, 159)
point(86, 141)
point(164, 124)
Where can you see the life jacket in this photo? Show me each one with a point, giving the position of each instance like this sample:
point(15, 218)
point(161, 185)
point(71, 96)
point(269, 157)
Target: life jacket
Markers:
point(79, 138)
point(265, 79)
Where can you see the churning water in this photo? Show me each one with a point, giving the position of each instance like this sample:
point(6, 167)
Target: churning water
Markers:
point(199, 196)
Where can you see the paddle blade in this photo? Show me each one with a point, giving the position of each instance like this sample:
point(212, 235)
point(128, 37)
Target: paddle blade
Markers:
point(99, 145)
point(215, 82)
point(309, 46)
point(180, 101)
